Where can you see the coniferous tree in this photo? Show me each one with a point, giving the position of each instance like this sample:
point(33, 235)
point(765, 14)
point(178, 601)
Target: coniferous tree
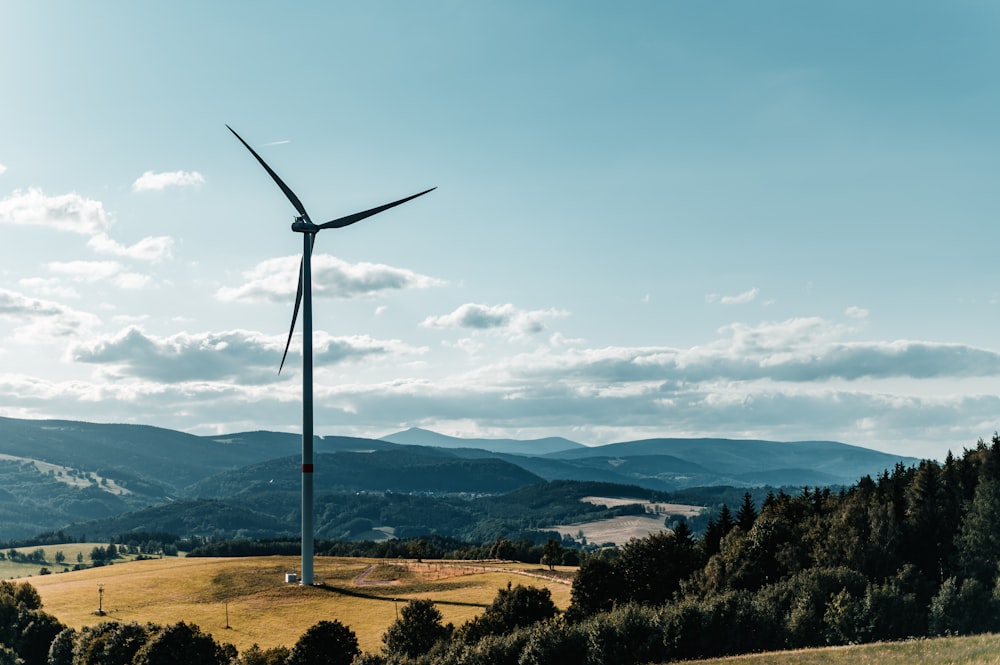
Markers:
point(929, 534)
point(726, 521)
point(747, 513)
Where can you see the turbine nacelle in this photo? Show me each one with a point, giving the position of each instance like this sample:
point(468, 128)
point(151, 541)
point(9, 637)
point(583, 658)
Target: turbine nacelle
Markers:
point(303, 225)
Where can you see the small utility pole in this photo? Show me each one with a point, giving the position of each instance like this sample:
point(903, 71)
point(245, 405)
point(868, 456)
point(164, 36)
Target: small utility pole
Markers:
point(100, 600)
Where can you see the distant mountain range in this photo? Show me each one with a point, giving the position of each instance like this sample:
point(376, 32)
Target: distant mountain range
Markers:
point(669, 464)
point(422, 437)
point(54, 474)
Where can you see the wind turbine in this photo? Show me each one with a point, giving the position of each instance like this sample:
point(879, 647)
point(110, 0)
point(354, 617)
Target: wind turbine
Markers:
point(303, 298)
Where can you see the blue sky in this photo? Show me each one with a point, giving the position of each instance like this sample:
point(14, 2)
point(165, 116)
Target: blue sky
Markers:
point(768, 219)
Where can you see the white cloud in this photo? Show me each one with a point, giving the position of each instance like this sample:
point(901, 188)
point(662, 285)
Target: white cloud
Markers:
point(2, 169)
point(86, 271)
point(275, 280)
point(506, 318)
point(153, 248)
point(237, 355)
point(132, 281)
point(66, 212)
point(741, 299)
point(49, 286)
point(856, 313)
point(150, 181)
point(95, 271)
point(42, 320)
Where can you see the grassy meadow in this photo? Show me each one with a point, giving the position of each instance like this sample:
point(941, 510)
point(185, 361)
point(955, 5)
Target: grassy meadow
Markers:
point(974, 650)
point(362, 593)
point(10, 569)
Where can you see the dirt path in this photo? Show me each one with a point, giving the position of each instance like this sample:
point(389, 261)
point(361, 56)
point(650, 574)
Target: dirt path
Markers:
point(362, 578)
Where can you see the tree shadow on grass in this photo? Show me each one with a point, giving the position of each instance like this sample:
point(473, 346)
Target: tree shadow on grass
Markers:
point(390, 599)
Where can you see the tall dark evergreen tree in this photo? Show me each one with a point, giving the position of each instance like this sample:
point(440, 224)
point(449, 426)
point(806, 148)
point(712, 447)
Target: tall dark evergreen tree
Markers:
point(929, 533)
point(726, 521)
point(747, 513)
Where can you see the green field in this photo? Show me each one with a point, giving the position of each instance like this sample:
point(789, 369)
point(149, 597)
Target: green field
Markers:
point(11, 569)
point(251, 594)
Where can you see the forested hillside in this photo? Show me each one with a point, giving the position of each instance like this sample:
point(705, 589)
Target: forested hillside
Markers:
point(913, 552)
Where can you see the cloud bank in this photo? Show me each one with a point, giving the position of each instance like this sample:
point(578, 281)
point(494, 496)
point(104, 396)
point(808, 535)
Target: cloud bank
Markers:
point(237, 355)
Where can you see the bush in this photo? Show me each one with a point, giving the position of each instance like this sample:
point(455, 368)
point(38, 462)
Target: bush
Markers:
point(512, 608)
point(626, 635)
point(180, 644)
point(325, 643)
point(416, 631)
point(961, 609)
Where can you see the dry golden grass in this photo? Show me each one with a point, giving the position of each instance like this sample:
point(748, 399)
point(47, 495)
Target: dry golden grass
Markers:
point(617, 530)
point(975, 650)
point(263, 609)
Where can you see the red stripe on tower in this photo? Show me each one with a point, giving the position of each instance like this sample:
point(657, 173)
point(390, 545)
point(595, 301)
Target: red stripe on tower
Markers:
point(307, 468)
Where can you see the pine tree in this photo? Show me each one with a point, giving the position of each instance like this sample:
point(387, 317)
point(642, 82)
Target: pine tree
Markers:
point(747, 514)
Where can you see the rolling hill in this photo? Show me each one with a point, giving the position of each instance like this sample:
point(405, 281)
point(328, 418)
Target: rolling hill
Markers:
point(669, 464)
point(57, 473)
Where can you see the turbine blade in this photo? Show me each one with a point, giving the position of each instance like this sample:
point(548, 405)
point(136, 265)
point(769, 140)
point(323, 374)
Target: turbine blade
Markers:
point(288, 192)
point(295, 311)
point(295, 315)
point(358, 216)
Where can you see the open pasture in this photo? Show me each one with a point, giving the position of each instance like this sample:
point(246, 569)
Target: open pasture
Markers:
point(655, 507)
point(250, 595)
point(15, 569)
point(617, 530)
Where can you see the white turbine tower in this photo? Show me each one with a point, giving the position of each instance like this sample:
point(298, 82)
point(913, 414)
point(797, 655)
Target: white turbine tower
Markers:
point(303, 298)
